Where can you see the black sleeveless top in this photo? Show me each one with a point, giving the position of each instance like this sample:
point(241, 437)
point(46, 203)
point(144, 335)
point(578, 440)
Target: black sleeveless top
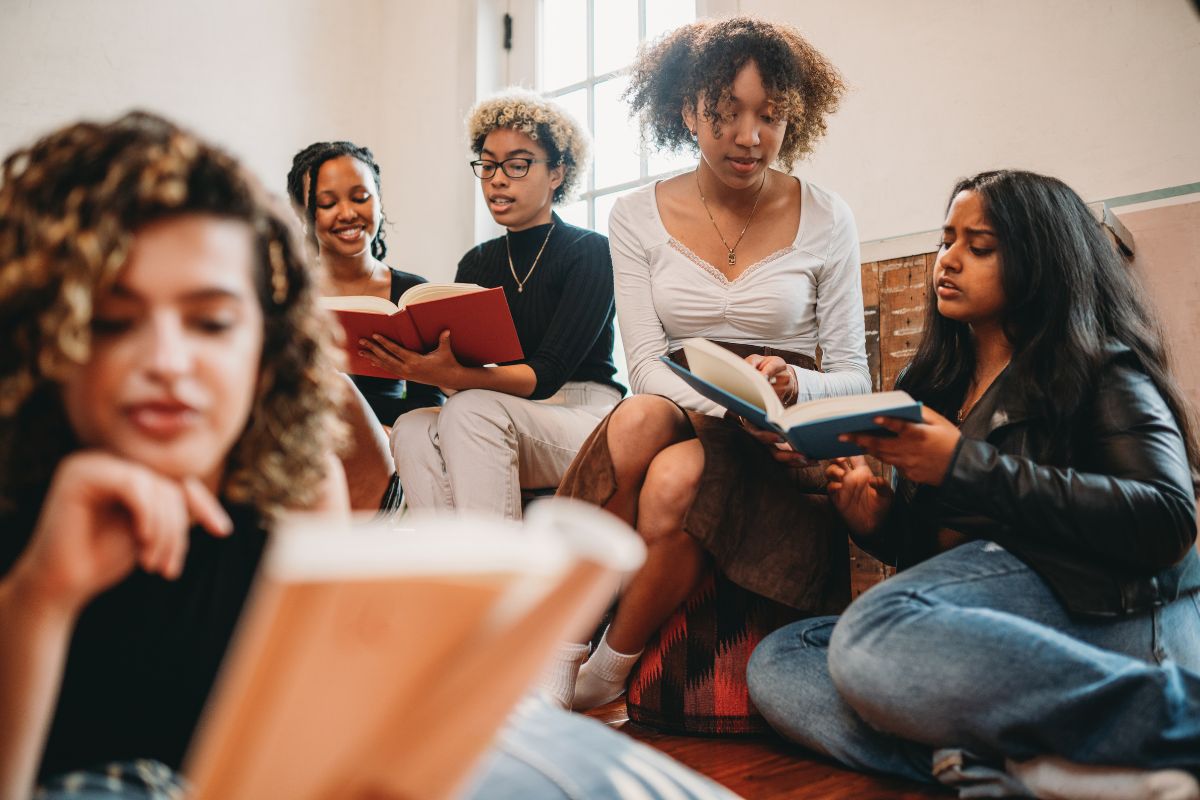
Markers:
point(390, 397)
point(144, 654)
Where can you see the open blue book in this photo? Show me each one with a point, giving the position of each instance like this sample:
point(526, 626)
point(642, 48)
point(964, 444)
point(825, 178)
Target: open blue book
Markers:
point(811, 428)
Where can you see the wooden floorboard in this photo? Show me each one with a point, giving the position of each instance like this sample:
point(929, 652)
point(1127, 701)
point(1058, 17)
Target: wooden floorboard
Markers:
point(766, 767)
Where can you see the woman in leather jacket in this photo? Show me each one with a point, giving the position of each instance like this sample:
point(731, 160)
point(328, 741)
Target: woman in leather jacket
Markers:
point(1043, 637)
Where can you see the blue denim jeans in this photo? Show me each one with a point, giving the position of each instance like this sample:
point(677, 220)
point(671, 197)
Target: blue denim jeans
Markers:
point(545, 752)
point(542, 752)
point(972, 650)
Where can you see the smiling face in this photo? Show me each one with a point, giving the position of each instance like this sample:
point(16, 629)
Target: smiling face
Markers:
point(519, 203)
point(348, 208)
point(176, 346)
point(749, 133)
point(967, 274)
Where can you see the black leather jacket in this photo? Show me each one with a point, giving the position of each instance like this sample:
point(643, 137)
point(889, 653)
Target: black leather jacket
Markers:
point(1113, 532)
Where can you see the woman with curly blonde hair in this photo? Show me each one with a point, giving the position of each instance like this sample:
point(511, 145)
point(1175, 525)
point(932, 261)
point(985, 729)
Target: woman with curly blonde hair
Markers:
point(516, 426)
point(167, 365)
point(764, 263)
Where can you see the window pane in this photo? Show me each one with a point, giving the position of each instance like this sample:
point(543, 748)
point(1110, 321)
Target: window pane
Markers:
point(575, 214)
point(564, 42)
point(616, 34)
point(617, 156)
point(661, 161)
point(604, 206)
point(576, 104)
point(666, 15)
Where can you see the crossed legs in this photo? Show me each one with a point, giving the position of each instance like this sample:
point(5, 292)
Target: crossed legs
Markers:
point(657, 463)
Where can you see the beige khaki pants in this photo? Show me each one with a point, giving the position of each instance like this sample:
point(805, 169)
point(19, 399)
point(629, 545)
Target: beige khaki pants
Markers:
point(481, 448)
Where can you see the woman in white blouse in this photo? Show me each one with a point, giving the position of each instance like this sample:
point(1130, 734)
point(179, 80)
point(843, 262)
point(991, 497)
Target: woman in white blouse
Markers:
point(746, 255)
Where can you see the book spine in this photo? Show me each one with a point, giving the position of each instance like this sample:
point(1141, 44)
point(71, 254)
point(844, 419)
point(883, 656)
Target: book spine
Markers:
point(409, 334)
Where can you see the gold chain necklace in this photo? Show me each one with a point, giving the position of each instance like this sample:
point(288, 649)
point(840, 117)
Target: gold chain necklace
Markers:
point(732, 255)
point(536, 259)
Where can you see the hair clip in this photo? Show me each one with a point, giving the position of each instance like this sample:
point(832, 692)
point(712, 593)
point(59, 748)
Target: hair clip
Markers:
point(279, 285)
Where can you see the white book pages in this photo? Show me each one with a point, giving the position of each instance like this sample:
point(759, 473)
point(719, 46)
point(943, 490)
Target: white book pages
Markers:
point(833, 407)
point(424, 292)
point(719, 366)
point(359, 302)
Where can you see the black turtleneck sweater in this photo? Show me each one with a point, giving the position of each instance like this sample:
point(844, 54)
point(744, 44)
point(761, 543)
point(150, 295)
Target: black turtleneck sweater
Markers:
point(564, 316)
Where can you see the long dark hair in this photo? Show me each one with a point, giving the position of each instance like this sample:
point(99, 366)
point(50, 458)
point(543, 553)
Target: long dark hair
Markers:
point(305, 166)
point(1068, 294)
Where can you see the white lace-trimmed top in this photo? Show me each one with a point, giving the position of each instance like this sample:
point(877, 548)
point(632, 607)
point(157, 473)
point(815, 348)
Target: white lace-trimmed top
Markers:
point(805, 295)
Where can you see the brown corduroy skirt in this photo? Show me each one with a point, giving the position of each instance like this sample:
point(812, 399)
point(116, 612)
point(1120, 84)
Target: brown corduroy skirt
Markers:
point(770, 528)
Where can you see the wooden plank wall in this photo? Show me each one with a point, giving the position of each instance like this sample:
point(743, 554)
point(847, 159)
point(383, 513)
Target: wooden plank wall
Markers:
point(894, 309)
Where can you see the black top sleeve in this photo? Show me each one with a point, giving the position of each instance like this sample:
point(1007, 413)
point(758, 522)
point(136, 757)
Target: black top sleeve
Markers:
point(583, 312)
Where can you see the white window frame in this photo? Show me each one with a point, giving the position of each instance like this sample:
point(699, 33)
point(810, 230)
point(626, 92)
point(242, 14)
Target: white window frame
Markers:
point(522, 68)
point(591, 192)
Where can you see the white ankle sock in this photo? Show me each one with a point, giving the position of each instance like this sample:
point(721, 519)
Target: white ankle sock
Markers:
point(1054, 778)
point(559, 678)
point(602, 677)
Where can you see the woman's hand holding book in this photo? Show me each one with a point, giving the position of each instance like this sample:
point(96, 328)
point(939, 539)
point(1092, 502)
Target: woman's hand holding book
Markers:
point(776, 371)
point(922, 451)
point(438, 367)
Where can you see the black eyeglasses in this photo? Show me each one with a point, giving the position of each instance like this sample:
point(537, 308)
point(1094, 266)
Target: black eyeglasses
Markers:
point(512, 167)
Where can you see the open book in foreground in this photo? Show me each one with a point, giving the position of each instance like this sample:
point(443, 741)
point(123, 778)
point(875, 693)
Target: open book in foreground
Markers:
point(379, 662)
point(480, 324)
point(811, 428)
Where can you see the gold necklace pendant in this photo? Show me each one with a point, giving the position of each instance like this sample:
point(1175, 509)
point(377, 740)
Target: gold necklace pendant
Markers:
point(731, 257)
point(508, 249)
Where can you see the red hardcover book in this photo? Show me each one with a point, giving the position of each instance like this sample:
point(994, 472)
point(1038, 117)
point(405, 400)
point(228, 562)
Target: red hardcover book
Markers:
point(480, 324)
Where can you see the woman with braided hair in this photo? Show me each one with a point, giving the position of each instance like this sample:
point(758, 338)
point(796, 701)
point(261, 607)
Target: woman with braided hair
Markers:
point(336, 189)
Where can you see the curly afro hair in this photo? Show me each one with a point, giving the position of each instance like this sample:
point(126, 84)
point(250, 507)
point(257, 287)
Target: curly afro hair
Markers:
point(701, 60)
point(546, 122)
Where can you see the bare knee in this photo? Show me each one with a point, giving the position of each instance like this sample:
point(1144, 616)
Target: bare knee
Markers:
point(641, 427)
point(669, 489)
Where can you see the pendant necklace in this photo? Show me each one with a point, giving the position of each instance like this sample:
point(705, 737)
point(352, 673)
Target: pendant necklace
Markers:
point(732, 251)
point(508, 248)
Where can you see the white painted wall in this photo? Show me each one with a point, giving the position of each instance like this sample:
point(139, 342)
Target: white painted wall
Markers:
point(427, 86)
point(1103, 94)
point(263, 79)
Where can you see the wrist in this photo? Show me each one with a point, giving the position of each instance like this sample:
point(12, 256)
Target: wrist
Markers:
point(794, 387)
point(37, 596)
point(457, 378)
